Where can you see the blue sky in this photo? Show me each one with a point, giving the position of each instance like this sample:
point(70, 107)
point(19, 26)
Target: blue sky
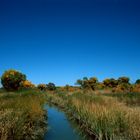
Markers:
point(61, 41)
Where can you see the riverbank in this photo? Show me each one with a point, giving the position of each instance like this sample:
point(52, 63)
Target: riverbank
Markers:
point(100, 116)
point(22, 115)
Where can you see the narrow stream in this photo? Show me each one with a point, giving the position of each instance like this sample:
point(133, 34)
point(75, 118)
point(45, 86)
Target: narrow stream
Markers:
point(59, 126)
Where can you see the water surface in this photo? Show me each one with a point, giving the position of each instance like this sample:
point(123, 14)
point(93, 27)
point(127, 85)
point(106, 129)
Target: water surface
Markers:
point(60, 128)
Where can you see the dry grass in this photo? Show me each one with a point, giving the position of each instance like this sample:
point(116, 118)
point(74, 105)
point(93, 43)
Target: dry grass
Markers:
point(21, 116)
point(105, 117)
point(130, 99)
point(102, 117)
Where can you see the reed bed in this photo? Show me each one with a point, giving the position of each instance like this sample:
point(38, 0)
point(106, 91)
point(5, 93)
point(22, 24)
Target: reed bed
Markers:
point(130, 99)
point(105, 117)
point(22, 116)
point(101, 117)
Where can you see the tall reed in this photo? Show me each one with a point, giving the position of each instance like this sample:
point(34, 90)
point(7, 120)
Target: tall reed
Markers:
point(105, 117)
point(22, 116)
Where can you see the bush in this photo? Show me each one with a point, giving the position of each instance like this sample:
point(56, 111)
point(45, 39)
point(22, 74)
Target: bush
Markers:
point(51, 86)
point(110, 83)
point(138, 81)
point(123, 88)
point(26, 84)
point(136, 88)
point(11, 79)
point(123, 80)
point(42, 86)
point(88, 84)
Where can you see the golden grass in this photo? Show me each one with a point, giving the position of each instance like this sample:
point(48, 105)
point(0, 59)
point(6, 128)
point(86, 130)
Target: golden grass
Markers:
point(106, 118)
point(102, 117)
point(21, 116)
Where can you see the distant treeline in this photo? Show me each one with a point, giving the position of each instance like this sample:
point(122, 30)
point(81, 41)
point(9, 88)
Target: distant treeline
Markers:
point(122, 84)
point(14, 80)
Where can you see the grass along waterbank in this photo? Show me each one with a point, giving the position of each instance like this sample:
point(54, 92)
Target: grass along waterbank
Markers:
point(22, 116)
point(100, 116)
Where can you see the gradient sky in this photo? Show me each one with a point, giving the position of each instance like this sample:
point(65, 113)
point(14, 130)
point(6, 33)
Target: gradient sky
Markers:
point(61, 41)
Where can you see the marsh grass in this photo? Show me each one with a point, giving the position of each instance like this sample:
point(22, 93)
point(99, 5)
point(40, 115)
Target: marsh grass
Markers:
point(130, 99)
point(105, 117)
point(102, 117)
point(22, 116)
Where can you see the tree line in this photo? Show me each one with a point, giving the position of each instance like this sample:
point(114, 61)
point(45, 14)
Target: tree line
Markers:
point(121, 84)
point(14, 80)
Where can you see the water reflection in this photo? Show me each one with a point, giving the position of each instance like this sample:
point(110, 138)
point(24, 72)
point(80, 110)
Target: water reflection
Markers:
point(59, 126)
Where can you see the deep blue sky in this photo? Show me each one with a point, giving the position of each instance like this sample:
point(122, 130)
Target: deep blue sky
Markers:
point(62, 40)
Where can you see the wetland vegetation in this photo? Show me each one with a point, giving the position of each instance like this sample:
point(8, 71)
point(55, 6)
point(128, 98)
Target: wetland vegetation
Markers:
point(108, 110)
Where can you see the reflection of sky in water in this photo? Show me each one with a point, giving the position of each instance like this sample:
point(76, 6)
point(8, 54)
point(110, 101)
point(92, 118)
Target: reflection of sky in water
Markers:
point(59, 126)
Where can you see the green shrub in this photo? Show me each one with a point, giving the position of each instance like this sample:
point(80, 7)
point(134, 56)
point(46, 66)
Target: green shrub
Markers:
point(138, 81)
point(42, 86)
point(51, 86)
point(123, 80)
point(27, 84)
point(11, 79)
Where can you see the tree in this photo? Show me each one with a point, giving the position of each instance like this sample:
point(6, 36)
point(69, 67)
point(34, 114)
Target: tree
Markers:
point(11, 79)
point(100, 86)
point(42, 87)
point(123, 80)
point(106, 82)
point(83, 83)
point(113, 82)
point(85, 78)
point(123, 84)
point(93, 82)
point(87, 84)
point(110, 82)
point(137, 81)
point(93, 79)
point(79, 82)
point(51, 86)
point(26, 84)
